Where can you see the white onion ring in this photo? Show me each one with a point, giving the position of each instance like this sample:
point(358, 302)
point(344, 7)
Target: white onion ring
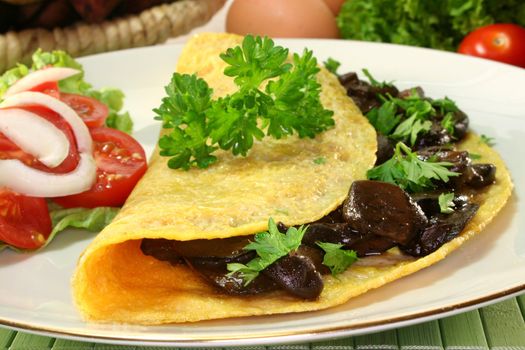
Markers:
point(35, 135)
point(32, 182)
point(39, 77)
point(31, 98)
point(20, 178)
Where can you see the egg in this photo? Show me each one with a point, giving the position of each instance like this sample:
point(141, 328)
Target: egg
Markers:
point(334, 5)
point(282, 18)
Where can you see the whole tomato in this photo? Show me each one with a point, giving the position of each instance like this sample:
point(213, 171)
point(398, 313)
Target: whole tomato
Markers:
point(498, 42)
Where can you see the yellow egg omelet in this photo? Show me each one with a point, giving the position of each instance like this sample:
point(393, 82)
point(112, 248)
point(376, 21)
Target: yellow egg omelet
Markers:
point(115, 282)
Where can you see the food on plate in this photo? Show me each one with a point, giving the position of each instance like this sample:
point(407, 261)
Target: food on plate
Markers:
point(440, 25)
point(282, 19)
point(498, 42)
point(57, 146)
point(290, 226)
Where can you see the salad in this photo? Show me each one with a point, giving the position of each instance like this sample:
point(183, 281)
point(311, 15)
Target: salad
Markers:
point(66, 156)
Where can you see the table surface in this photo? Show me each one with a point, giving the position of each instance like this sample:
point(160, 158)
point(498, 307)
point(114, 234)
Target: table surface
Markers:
point(500, 326)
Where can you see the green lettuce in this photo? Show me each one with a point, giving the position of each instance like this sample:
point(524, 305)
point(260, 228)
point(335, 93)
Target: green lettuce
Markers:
point(113, 98)
point(92, 220)
point(440, 24)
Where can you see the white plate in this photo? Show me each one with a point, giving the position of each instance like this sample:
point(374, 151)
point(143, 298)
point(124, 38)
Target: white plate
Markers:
point(35, 293)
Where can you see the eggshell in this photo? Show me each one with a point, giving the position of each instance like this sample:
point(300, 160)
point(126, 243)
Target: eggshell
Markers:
point(282, 18)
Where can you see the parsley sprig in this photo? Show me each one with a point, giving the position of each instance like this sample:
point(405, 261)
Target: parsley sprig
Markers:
point(446, 203)
point(406, 170)
point(270, 246)
point(289, 104)
point(336, 258)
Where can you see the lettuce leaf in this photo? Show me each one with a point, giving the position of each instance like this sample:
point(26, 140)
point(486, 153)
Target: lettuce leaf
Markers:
point(93, 220)
point(113, 98)
point(11, 76)
point(439, 24)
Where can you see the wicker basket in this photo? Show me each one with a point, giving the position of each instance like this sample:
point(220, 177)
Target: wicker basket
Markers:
point(150, 27)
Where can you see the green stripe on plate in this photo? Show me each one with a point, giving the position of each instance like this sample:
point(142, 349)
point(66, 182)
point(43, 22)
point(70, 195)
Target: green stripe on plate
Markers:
point(504, 325)
point(424, 336)
point(463, 332)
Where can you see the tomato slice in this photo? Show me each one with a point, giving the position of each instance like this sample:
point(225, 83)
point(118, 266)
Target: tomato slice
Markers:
point(121, 162)
point(93, 112)
point(9, 150)
point(50, 88)
point(24, 221)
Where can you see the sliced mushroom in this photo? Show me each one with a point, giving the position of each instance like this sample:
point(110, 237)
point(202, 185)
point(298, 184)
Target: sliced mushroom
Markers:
point(296, 273)
point(382, 209)
point(441, 229)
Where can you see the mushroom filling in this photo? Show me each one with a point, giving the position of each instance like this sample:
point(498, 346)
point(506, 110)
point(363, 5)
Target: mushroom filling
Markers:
point(375, 217)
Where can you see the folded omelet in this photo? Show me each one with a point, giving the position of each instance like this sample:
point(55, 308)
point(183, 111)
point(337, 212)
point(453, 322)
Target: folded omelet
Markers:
point(116, 282)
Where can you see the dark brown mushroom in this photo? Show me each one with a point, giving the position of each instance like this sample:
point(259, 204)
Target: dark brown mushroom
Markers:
point(382, 209)
point(441, 229)
point(296, 273)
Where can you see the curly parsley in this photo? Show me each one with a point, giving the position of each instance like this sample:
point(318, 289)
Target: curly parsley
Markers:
point(289, 104)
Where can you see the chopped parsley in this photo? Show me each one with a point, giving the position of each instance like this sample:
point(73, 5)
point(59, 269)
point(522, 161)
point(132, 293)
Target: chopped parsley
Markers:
point(446, 203)
point(489, 141)
point(474, 156)
point(270, 246)
point(320, 160)
point(332, 65)
point(336, 258)
point(406, 170)
point(375, 82)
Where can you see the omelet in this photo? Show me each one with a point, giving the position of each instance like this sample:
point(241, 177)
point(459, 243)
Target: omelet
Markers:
point(115, 282)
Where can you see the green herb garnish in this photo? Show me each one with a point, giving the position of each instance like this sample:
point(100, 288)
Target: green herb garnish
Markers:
point(332, 65)
point(446, 202)
point(489, 141)
point(409, 172)
point(373, 81)
point(320, 160)
point(445, 105)
point(289, 104)
point(336, 258)
point(474, 156)
point(270, 246)
point(448, 123)
point(404, 126)
point(385, 118)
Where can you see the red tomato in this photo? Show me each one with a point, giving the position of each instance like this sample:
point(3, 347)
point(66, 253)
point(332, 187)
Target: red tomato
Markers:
point(24, 221)
point(49, 88)
point(93, 112)
point(499, 42)
point(121, 162)
point(9, 150)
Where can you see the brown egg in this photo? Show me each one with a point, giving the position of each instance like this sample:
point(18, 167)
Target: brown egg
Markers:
point(334, 5)
point(282, 18)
